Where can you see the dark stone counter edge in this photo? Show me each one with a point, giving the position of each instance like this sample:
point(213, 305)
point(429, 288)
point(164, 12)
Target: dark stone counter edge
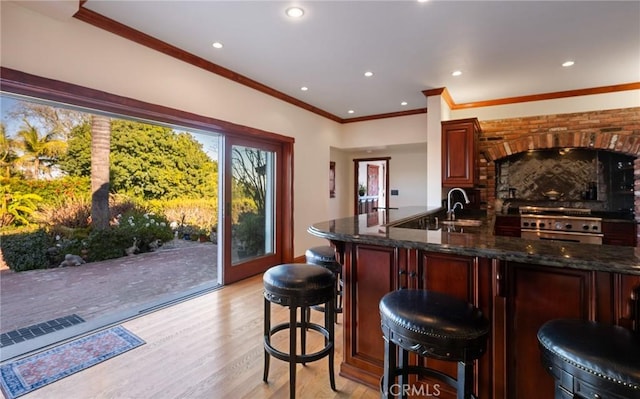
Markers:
point(482, 243)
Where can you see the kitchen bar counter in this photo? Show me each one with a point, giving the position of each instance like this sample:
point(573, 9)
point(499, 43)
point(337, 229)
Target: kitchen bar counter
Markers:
point(518, 284)
point(475, 241)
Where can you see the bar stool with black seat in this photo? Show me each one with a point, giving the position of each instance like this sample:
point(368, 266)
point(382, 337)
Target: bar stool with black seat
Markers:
point(325, 256)
point(591, 360)
point(434, 325)
point(298, 286)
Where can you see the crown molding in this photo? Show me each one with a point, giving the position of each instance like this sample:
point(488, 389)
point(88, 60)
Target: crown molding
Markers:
point(534, 97)
point(109, 25)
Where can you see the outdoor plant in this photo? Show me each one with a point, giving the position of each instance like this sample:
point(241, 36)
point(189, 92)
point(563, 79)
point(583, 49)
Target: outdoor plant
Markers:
point(249, 234)
point(53, 191)
point(60, 245)
point(146, 228)
point(188, 214)
point(16, 207)
point(133, 232)
point(74, 212)
point(25, 249)
point(107, 244)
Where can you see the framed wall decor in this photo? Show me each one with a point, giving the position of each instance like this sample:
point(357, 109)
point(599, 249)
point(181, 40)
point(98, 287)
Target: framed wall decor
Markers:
point(332, 179)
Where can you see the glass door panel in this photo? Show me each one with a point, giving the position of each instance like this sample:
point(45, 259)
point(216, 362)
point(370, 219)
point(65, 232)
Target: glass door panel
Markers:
point(251, 208)
point(252, 203)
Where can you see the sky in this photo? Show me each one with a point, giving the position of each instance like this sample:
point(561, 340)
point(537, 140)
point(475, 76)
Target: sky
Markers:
point(6, 103)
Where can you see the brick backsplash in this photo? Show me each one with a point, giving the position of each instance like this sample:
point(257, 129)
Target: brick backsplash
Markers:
point(616, 130)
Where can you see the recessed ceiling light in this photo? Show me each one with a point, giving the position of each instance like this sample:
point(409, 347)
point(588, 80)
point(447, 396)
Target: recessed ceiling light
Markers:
point(217, 45)
point(567, 63)
point(368, 74)
point(456, 73)
point(294, 12)
point(403, 103)
point(351, 111)
point(304, 88)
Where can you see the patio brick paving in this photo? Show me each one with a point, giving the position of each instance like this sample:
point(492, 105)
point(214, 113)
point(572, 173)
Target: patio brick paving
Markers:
point(96, 289)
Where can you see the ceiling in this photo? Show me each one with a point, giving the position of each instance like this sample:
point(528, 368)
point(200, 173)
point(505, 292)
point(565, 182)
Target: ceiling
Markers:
point(503, 48)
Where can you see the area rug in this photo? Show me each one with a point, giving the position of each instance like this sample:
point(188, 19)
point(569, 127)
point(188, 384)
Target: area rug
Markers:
point(25, 375)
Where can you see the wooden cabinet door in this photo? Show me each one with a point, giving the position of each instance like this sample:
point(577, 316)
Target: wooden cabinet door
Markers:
point(459, 147)
point(619, 233)
point(468, 279)
point(536, 294)
point(370, 273)
point(507, 226)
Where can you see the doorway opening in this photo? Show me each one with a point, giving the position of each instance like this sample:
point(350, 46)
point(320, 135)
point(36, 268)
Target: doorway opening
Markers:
point(192, 257)
point(371, 184)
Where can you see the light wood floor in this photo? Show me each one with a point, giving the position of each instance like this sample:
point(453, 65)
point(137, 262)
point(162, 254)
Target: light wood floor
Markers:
point(206, 347)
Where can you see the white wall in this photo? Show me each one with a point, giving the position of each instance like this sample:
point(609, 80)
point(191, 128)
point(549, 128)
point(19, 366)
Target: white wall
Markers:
point(407, 172)
point(342, 204)
point(384, 132)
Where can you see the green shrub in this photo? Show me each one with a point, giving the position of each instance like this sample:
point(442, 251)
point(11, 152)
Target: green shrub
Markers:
point(146, 228)
point(107, 244)
point(16, 207)
point(249, 234)
point(25, 249)
point(60, 245)
point(54, 191)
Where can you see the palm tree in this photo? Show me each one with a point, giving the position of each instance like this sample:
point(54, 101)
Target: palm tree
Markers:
point(39, 152)
point(7, 152)
point(100, 151)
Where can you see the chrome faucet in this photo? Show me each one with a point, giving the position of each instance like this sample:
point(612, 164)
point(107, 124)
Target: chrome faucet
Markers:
point(451, 210)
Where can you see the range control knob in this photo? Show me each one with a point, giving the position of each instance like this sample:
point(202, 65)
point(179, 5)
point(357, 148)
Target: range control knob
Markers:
point(541, 225)
point(558, 226)
point(585, 227)
point(594, 228)
point(525, 224)
point(568, 226)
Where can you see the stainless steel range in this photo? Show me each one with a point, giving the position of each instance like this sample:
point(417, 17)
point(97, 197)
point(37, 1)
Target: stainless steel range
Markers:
point(560, 224)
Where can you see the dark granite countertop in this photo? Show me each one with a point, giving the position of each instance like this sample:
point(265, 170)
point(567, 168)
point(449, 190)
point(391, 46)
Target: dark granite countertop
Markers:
point(377, 229)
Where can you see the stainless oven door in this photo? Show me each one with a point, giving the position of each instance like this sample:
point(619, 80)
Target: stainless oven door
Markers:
point(562, 236)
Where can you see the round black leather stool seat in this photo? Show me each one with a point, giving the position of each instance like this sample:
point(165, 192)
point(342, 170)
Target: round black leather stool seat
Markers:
point(590, 359)
point(299, 286)
point(435, 324)
point(324, 256)
point(430, 324)
point(301, 283)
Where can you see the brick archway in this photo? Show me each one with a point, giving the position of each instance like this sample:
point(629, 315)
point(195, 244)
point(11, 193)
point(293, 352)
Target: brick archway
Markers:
point(628, 145)
point(616, 130)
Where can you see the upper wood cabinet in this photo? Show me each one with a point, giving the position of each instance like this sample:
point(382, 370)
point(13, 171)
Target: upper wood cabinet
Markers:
point(460, 152)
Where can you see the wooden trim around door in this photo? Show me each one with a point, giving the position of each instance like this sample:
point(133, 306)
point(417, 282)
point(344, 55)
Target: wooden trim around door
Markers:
point(356, 163)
